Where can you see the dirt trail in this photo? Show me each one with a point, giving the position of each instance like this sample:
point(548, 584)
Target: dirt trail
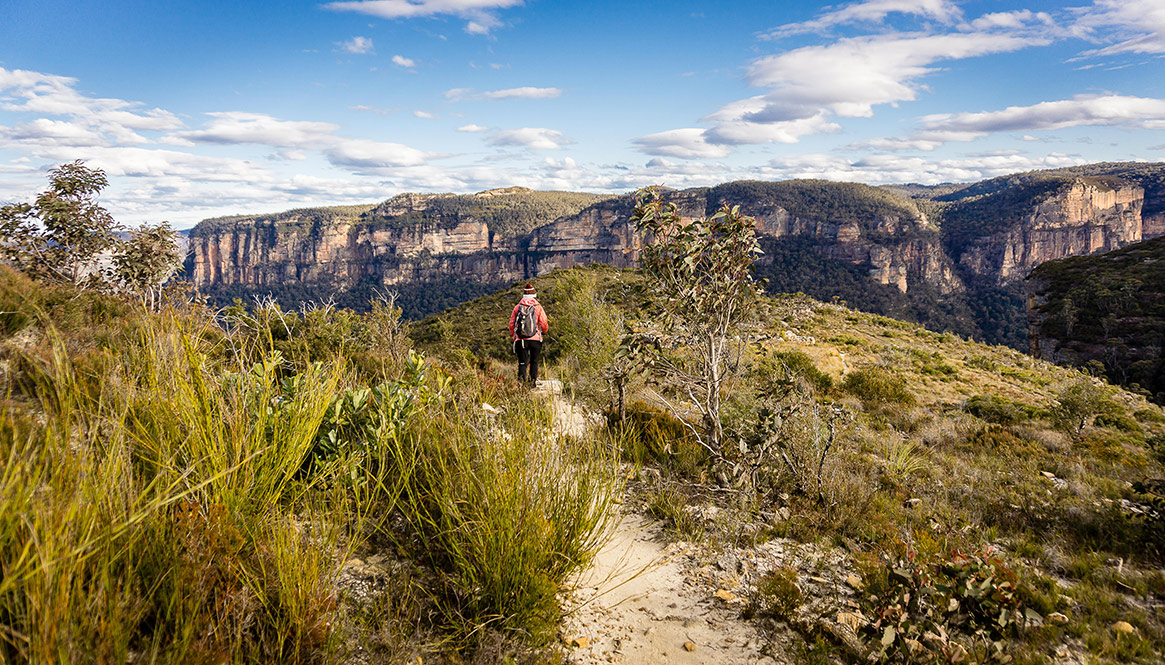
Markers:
point(644, 602)
point(641, 603)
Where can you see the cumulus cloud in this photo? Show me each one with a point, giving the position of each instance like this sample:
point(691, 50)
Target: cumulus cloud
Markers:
point(480, 15)
point(533, 138)
point(402, 61)
point(688, 143)
point(852, 75)
point(424, 115)
point(1132, 26)
point(1081, 111)
point(358, 45)
point(92, 120)
point(872, 11)
point(471, 127)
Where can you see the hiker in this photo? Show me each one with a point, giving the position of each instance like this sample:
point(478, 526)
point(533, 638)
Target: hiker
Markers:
point(527, 323)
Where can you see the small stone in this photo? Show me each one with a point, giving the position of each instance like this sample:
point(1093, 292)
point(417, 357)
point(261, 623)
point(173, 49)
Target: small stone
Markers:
point(489, 408)
point(580, 642)
point(1123, 627)
point(689, 646)
point(819, 580)
point(1048, 474)
point(1057, 618)
point(855, 582)
point(910, 503)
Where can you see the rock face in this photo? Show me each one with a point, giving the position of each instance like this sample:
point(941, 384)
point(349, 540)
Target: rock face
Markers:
point(1086, 218)
point(898, 246)
point(953, 258)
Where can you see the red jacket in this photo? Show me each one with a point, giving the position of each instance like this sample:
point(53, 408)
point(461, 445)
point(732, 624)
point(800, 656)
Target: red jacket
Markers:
point(543, 322)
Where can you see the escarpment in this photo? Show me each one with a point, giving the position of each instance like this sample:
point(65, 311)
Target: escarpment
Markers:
point(952, 257)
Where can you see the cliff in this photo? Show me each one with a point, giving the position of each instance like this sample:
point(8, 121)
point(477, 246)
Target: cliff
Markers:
point(951, 257)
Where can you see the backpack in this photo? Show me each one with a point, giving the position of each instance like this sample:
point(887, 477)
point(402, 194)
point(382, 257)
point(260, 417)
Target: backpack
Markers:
point(526, 325)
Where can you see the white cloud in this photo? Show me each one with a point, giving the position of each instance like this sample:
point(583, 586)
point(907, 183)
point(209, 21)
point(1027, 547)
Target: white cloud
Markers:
point(230, 127)
point(872, 11)
point(480, 15)
point(688, 143)
point(527, 92)
point(1013, 20)
point(1082, 111)
point(534, 138)
point(471, 127)
point(371, 109)
point(358, 45)
point(364, 154)
point(424, 115)
point(1135, 26)
point(852, 75)
point(92, 119)
point(524, 92)
point(402, 61)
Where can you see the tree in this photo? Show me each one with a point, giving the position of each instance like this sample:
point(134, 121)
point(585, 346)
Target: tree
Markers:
point(60, 234)
point(144, 262)
point(702, 274)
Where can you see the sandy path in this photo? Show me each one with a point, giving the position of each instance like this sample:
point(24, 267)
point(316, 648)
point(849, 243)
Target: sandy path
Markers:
point(639, 604)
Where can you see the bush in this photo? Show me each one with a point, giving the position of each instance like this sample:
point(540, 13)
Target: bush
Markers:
point(777, 593)
point(793, 366)
point(504, 513)
point(995, 409)
point(1077, 404)
point(874, 385)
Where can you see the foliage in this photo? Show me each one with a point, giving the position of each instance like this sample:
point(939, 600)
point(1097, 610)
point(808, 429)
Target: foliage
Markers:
point(875, 385)
point(504, 516)
point(1077, 404)
point(778, 593)
point(818, 200)
point(1106, 308)
point(588, 330)
point(945, 612)
point(701, 272)
point(60, 234)
point(145, 260)
point(509, 212)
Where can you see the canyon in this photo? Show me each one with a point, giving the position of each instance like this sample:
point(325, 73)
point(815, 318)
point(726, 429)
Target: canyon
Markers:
point(942, 246)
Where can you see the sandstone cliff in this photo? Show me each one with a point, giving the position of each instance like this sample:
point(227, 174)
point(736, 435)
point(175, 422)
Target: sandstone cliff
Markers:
point(1083, 217)
point(958, 253)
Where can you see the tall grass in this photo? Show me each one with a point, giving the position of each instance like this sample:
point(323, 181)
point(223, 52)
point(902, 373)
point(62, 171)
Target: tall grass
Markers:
point(163, 498)
point(146, 504)
point(507, 513)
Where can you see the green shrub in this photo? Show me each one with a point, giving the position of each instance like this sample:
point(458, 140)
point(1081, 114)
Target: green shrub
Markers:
point(1118, 421)
point(504, 513)
point(874, 385)
point(1150, 416)
point(656, 436)
point(1077, 404)
point(777, 593)
point(792, 366)
point(994, 409)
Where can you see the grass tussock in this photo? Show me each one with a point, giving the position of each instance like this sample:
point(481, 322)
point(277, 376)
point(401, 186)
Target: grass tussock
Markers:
point(183, 488)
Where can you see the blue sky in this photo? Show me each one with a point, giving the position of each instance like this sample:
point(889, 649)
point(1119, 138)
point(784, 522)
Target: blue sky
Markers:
point(202, 108)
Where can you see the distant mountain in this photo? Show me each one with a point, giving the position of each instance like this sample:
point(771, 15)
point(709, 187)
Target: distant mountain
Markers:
point(952, 257)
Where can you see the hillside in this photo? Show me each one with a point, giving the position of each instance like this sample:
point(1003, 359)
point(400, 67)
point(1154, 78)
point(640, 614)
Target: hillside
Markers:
point(302, 486)
point(950, 446)
point(1106, 310)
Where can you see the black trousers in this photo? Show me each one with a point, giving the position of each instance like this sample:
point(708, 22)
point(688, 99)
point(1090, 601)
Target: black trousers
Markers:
point(529, 353)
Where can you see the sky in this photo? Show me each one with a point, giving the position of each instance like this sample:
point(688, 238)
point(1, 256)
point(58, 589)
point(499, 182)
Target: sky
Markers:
point(199, 108)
